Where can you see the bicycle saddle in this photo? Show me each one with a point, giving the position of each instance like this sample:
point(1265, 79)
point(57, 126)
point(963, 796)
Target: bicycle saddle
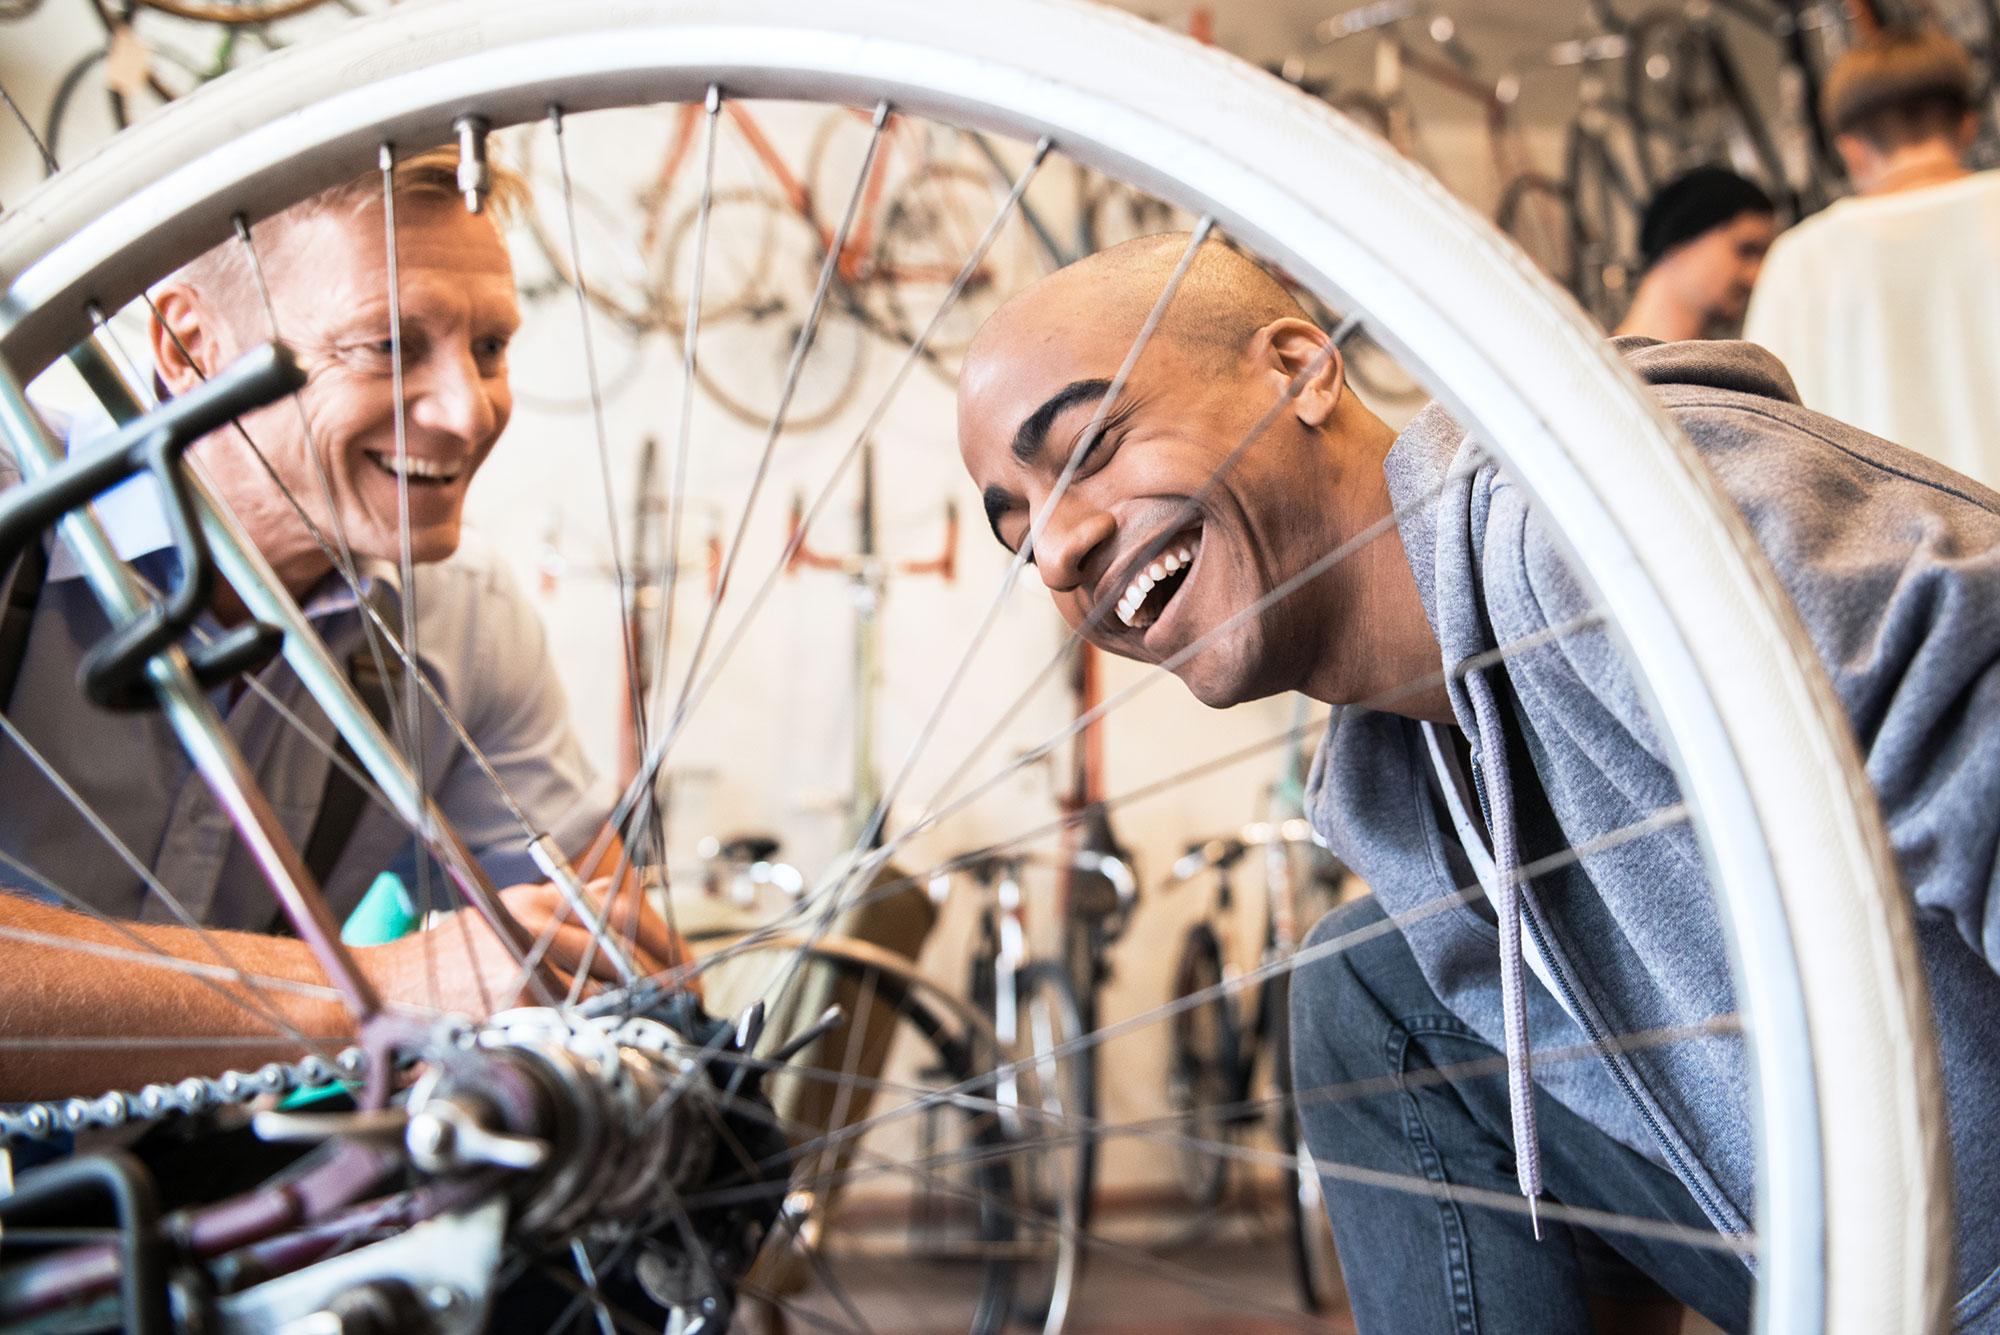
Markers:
point(988, 869)
point(748, 848)
point(1221, 854)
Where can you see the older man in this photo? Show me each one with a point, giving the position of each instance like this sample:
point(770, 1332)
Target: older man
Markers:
point(1158, 551)
point(337, 456)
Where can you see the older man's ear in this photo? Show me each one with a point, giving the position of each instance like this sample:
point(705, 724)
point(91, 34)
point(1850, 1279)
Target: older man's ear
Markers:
point(188, 342)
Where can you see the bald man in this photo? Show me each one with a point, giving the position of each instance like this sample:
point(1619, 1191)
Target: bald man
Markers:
point(1162, 550)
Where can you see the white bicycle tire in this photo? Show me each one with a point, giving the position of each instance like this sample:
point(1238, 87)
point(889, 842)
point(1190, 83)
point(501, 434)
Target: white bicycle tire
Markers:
point(1854, 1207)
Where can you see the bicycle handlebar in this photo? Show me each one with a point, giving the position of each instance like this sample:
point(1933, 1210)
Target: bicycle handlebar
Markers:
point(1124, 881)
point(1224, 852)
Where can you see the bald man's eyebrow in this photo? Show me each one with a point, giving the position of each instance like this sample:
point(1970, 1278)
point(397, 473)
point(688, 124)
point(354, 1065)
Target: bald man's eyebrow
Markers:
point(1034, 433)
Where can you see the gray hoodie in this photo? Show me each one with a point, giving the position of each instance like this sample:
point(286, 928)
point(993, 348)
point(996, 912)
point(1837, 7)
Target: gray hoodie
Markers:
point(1894, 562)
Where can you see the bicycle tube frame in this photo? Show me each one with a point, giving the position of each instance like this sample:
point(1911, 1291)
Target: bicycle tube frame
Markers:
point(194, 720)
point(266, 599)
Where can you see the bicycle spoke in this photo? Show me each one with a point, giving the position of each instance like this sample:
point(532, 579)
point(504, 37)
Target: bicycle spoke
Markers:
point(801, 346)
point(683, 444)
point(406, 565)
point(152, 882)
point(588, 1274)
point(694, 690)
point(400, 722)
point(1662, 819)
point(620, 576)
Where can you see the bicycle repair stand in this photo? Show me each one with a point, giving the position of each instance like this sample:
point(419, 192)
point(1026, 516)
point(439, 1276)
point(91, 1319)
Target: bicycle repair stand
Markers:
point(897, 919)
point(868, 577)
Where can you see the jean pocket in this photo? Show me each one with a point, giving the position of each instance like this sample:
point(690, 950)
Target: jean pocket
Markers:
point(1978, 1312)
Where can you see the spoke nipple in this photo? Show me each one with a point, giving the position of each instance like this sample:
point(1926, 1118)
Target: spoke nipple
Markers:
point(475, 176)
point(713, 102)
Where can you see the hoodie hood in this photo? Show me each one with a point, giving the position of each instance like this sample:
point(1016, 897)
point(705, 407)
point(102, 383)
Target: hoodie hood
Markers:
point(1443, 483)
point(1423, 456)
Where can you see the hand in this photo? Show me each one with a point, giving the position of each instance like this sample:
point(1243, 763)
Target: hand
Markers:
point(461, 965)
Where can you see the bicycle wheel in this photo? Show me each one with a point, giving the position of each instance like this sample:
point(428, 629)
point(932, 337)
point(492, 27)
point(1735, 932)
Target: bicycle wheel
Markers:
point(932, 228)
point(1603, 219)
point(1816, 925)
point(233, 11)
point(1534, 211)
point(1204, 1068)
point(1060, 1176)
point(916, 1080)
point(767, 259)
point(1052, 1116)
point(1315, 1261)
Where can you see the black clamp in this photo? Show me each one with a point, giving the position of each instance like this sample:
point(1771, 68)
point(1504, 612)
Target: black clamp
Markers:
point(113, 673)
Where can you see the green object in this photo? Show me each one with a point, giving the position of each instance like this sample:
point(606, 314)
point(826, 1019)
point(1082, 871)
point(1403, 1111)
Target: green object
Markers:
point(384, 914)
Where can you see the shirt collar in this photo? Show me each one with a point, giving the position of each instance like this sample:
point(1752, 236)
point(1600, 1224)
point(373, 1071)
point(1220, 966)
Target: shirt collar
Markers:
point(132, 513)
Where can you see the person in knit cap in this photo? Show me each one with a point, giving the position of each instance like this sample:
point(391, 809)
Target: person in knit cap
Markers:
point(1703, 239)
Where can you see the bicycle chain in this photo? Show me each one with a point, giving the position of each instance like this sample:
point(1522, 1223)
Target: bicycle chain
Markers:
point(196, 1094)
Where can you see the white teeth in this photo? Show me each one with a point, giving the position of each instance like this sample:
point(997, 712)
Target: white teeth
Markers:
point(415, 467)
point(1144, 582)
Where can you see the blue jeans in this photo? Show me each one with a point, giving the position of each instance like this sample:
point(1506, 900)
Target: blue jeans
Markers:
point(1422, 1265)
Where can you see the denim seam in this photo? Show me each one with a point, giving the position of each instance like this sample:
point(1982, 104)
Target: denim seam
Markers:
point(1430, 1164)
point(1984, 1297)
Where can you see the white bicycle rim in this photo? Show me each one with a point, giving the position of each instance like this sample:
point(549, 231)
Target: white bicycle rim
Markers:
point(1854, 1210)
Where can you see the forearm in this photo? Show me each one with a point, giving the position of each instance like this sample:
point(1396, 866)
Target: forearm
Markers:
point(87, 1005)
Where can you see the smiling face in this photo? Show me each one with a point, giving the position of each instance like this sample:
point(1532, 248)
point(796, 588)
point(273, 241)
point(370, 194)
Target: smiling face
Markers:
point(1160, 548)
point(328, 273)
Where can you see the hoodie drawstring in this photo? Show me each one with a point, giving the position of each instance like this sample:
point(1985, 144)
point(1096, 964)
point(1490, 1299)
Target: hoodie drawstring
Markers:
point(1506, 894)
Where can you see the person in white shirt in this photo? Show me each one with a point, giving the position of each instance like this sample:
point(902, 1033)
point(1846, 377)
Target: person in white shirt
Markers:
point(1886, 306)
point(1703, 236)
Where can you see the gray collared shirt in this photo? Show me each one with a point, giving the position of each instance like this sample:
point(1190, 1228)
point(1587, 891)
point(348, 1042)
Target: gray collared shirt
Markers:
point(479, 640)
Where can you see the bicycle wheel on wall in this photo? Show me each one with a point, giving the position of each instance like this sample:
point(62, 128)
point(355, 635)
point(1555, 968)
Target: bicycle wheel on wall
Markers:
point(1204, 1066)
point(1769, 775)
point(766, 257)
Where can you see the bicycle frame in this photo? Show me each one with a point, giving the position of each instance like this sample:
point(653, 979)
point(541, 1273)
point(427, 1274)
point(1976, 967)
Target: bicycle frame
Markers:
point(331, 1185)
point(856, 258)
